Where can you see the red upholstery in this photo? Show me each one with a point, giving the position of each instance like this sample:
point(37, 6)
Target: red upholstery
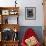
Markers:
point(29, 33)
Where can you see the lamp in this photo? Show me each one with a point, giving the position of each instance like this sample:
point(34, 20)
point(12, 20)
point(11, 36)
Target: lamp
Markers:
point(15, 35)
point(15, 3)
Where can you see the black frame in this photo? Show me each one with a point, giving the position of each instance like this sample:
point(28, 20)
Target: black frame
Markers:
point(30, 13)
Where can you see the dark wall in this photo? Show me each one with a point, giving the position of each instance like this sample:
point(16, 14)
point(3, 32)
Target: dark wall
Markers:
point(37, 29)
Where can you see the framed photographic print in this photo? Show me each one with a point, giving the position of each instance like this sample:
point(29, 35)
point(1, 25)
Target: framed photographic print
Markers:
point(5, 12)
point(30, 13)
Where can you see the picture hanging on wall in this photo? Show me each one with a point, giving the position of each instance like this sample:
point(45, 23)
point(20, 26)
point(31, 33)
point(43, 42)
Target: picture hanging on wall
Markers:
point(30, 13)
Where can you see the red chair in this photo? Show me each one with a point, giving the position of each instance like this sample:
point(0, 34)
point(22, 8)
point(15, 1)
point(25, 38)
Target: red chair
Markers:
point(29, 33)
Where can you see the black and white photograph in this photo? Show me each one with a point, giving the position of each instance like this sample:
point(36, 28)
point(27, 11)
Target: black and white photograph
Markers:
point(30, 13)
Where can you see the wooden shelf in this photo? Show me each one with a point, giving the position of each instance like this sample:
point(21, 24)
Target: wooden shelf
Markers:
point(9, 8)
point(11, 26)
point(9, 43)
point(4, 13)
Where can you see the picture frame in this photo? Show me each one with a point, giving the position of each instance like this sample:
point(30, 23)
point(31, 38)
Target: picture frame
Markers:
point(30, 13)
point(13, 12)
point(5, 12)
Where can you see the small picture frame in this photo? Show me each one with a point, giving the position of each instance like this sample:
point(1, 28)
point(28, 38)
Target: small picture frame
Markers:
point(5, 12)
point(30, 13)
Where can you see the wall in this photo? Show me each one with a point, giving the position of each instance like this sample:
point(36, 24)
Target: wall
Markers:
point(39, 13)
point(27, 3)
